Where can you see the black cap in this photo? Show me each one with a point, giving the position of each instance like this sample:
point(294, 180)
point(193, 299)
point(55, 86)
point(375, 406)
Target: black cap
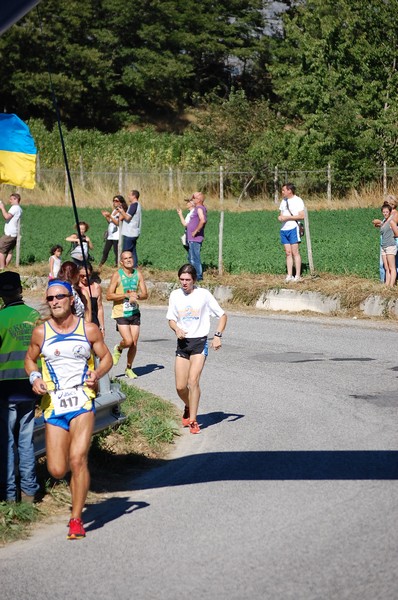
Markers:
point(10, 283)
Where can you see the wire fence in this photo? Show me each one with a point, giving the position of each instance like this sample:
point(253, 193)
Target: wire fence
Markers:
point(239, 185)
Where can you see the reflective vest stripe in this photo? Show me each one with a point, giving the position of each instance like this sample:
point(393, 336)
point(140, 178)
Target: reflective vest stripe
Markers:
point(13, 373)
point(13, 355)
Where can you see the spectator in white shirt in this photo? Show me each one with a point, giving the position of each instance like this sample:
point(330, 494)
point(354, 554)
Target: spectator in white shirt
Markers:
point(8, 241)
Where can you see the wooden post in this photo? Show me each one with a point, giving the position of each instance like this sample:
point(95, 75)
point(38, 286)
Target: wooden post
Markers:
point(221, 225)
point(276, 186)
point(66, 187)
point(308, 236)
point(38, 174)
point(171, 182)
point(329, 185)
point(120, 180)
point(81, 170)
point(179, 180)
point(243, 192)
point(384, 177)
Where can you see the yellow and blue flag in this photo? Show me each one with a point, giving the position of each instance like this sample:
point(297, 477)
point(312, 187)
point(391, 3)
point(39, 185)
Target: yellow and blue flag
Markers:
point(17, 152)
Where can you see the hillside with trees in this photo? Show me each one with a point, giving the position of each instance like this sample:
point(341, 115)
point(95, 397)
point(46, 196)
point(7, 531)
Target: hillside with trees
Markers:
point(316, 85)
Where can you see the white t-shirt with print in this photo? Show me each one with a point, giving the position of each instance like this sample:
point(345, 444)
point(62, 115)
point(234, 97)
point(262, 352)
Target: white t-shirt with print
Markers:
point(296, 205)
point(11, 227)
point(192, 311)
point(113, 230)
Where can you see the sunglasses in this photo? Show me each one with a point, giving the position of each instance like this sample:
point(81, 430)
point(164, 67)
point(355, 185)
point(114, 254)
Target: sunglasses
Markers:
point(57, 297)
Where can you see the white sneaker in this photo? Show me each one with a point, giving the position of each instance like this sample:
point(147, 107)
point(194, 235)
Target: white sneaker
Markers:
point(289, 278)
point(297, 278)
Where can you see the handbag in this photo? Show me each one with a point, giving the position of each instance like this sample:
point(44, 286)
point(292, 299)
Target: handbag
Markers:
point(184, 240)
point(77, 253)
point(300, 224)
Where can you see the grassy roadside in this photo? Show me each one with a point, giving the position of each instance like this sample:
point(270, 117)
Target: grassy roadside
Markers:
point(248, 287)
point(144, 438)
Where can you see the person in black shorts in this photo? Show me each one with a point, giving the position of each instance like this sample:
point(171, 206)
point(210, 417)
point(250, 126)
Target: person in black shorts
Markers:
point(189, 314)
point(127, 286)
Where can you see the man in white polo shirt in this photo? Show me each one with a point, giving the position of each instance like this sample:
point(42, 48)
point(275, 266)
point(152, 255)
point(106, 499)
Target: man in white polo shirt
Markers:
point(9, 240)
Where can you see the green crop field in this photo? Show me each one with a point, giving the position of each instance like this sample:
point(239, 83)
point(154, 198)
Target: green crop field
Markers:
point(343, 241)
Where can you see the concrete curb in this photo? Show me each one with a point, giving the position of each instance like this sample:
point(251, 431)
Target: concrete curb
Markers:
point(274, 300)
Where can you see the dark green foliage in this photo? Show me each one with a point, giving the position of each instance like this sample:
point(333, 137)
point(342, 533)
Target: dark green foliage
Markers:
point(111, 59)
point(322, 89)
point(335, 73)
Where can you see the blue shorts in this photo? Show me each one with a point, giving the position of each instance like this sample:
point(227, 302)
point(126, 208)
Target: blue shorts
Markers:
point(189, 346)
point(289, 236)
point(64, 420)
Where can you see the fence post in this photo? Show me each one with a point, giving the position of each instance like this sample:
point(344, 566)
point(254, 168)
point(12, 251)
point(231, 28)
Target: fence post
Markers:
point(38, 175)
point(221, 225)
point(384, 177)
point(276, 186)
point(66, 187)
point(308, 236)
point(126, 175)
point(120, 180)
point(81, 170)
point(245, 188)
point(171, 182)
point(329, 185)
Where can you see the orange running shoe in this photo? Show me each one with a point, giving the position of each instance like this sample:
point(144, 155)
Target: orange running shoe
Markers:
point(185, 417)
point(194, 427)
point(76, 530)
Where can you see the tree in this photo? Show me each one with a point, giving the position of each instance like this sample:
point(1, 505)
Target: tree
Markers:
point(64, 39)
point(334, 71)
point(112, 59)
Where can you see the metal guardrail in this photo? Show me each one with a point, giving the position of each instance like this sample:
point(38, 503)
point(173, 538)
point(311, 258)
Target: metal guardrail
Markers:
point(107, 406)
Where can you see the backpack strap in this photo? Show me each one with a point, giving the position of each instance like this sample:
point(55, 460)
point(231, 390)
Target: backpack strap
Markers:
point(287, 206)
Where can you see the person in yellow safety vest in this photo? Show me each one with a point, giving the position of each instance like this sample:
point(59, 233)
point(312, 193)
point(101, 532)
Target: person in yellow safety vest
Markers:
point(17, 400)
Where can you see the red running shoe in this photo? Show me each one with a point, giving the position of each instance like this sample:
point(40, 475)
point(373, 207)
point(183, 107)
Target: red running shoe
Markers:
point(76, 530)
point(194, 427)
point(185, 417)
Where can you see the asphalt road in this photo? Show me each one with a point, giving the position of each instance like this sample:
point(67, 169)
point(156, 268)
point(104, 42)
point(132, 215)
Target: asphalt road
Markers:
point(289, 492)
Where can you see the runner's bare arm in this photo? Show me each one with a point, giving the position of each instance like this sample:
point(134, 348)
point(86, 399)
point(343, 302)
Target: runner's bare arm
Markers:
point(32, 355)
point(110, 294)
point(143, 293)
point(180, 333)
point(100, 349)
point(216, 341)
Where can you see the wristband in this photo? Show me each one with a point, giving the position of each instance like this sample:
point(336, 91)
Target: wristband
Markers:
point(33, 376)
point(218, 334)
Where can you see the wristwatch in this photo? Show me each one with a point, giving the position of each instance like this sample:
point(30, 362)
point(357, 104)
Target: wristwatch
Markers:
point(218, 334)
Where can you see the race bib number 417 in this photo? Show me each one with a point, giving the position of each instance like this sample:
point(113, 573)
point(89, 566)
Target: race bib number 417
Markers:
point(66, 401)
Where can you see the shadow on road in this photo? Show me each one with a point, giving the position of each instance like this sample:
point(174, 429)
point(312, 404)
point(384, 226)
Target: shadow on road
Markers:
point(145, 370)
point(216, 417)
point(239, 466)
point(97, 515)
point(258, 466)
point(280, 465)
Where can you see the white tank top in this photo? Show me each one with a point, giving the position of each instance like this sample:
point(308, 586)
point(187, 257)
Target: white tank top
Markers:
point(66, 357)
